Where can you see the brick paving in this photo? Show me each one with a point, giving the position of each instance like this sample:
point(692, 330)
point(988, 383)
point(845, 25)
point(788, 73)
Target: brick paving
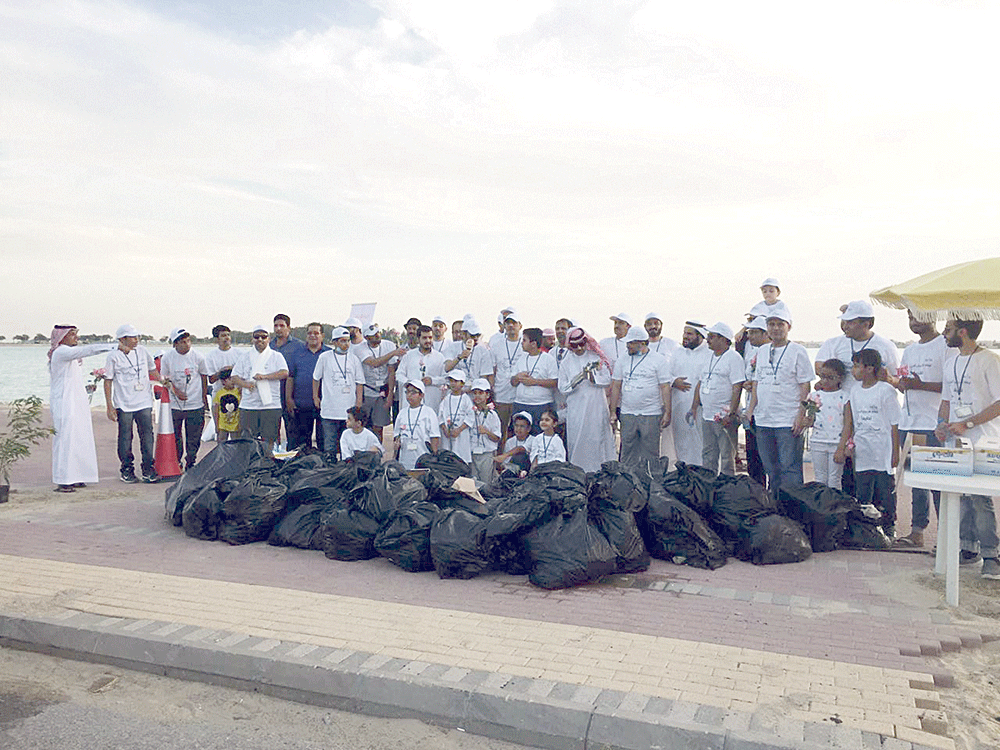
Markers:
point(794, 652)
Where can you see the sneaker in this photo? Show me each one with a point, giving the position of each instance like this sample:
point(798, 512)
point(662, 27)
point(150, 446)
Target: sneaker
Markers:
point(890, 531)
point(128, 476)
point(968, 558)
point(991, 568)
point(151, 478)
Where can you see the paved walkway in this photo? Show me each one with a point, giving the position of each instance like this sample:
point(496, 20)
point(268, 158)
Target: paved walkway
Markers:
point(809, 655)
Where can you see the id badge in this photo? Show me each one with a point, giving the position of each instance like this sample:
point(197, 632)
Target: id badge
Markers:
point(627, 388)
point(412, 445)
point(346, 389)
point(139, 387)
point(963, 412)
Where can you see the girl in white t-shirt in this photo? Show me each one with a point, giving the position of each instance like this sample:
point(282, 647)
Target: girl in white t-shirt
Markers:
point(547, 446)
point(871, 420)
point(826, 415)
point(356, 438)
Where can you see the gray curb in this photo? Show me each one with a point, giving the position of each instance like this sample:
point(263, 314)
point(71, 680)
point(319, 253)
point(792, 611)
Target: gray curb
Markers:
point(537, 713)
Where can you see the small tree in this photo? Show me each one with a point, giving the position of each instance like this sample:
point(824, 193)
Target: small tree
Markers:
point(22, 337)
point(24, 431)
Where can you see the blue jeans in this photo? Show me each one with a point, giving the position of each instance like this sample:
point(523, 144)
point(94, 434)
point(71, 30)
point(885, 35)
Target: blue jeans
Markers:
point(978, 525)
point(332, 430)
point(781, 454)
point(144, 424)
point(192, 421)
point(920, 498)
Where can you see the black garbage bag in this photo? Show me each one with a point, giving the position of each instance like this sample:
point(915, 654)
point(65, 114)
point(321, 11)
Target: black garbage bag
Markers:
point(622, 532)
point(508, 555)
point(443, 468)
point(302, 527)
point(202, 513)
point(503, 484)
point(290, 470)
point(773, 540)
point(405, 538)
point(673, 531)
point(455, 499)
point(349, 534)
point(863, 532)
point(821, 510)
point(320, 486)
point(692, 485)
point(622, 483)
point(521, 511)
point(560, 476)
point(228, 460)
point(568, 551)
point(366, 465)
point(251, 510)
point(735, 501)
point(459, 548)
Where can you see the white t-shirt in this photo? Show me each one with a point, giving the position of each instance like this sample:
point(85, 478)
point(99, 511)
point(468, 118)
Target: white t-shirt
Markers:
point(375, 377)
point(721, 373)
point(479, 363)
point(491, 421)
point(417, 366)
point(217, 360)
point(920, 408)
point(641, 376)
point(542, 366)
point(184, 371)
point(267, 362)
point(779, 374)
point(545, 449)
point(844, 349)
point(352, 442)
point(829, 422)
point(664, 346)
point(973, 381)
point(614, 348)
point(339, 375)
point(506, 355)
point(874, 411)
point(129, 376)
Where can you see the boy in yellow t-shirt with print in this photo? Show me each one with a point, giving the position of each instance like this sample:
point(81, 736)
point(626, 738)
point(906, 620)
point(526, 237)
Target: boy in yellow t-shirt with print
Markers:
point(226, 407)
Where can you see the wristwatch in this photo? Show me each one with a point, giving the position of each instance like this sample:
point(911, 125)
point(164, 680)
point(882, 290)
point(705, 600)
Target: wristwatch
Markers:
point(970, 424)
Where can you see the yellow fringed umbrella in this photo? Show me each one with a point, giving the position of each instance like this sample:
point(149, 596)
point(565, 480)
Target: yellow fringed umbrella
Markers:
point(968, 291)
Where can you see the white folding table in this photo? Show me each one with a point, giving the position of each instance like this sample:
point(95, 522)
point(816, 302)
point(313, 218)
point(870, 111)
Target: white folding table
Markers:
point(951, 488)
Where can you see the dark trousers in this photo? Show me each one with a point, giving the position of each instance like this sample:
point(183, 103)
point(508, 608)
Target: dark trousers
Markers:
point(306, 421)
point(192, 422)
point(332, 430)
point(879, 489)
point(144, 424)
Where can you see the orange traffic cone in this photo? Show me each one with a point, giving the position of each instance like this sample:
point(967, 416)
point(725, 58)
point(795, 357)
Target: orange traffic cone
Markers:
point(165, 462)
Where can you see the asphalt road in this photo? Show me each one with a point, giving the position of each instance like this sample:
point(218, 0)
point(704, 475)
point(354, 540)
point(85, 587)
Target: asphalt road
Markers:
point(47, 703)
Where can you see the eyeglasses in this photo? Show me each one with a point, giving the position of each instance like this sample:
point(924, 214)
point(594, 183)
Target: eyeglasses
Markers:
point(260, 336)
point(580, 345)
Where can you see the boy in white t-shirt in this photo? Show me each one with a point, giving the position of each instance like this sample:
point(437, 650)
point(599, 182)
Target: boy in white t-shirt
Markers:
point(416, 426)
point(871, 422)
point(825, 412)
point(357, 438)
point(485, 430)
point(455, 415)
point(515, 452)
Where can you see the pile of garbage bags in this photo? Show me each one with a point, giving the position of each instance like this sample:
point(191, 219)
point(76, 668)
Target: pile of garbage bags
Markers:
point(558, 525)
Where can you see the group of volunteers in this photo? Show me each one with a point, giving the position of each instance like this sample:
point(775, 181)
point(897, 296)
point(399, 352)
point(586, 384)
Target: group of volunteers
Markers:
point(527, 395)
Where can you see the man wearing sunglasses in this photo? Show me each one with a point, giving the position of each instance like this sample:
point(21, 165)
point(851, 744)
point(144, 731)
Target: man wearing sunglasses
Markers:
point(259, 373)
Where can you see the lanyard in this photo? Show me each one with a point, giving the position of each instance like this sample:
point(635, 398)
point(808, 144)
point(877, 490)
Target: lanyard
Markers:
point(410, 424)
point(775, 366)
point(545, 445)
point(863, 347)
point(960, 381)
point(713, 363)
point(633, 364)
point(531, 372)
point(343, 370)
point(451, 408)
point(510, 357)
point(138, 373)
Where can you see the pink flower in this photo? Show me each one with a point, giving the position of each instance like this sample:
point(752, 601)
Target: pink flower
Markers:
point(903, 371)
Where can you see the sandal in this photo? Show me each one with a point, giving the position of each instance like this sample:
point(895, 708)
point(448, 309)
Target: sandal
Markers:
point(78, 486)
point(64, 488)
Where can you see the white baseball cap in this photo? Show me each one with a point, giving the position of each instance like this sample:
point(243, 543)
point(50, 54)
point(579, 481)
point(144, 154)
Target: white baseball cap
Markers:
point(261, 327)
point(418, 384)
point(770, 281)
point(177, 333)
point(126, 329)
point(721, 329)
point(352, 323)
point(623, 317)
point(371, 329)
point(439, 319)
point(652, 316)
point(456, 374)
point(781, 313)
point(859, 308)
point(759, 323)
point(636, 333)
point(479, 384)
point(471, 327)
point(339, 332)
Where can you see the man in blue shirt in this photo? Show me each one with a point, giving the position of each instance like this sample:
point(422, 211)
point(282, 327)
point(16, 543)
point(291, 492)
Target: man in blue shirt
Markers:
point(286, 345)
point(298, 388)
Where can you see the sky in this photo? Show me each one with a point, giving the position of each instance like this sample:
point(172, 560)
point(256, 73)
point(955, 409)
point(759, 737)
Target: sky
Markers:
point(172, 163)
